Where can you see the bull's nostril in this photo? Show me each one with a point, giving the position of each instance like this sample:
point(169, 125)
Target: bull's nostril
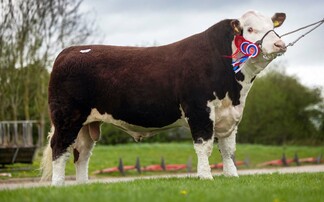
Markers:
point(280, 45)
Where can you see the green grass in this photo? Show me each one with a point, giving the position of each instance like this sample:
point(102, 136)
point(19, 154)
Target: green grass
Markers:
point(173, 153)
point(272, 188)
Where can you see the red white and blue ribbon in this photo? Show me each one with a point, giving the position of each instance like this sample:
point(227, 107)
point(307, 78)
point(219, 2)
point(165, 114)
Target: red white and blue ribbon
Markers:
point(247, 48)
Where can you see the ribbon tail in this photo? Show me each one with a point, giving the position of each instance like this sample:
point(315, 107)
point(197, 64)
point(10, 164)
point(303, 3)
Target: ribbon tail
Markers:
point(238, 64)
point(238, 69)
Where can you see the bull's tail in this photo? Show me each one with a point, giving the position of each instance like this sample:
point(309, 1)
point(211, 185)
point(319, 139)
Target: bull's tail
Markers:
point(46, 163)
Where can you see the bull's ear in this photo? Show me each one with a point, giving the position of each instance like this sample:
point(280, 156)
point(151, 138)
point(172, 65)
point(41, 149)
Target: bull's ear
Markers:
point(278, 19)
point(236, 27)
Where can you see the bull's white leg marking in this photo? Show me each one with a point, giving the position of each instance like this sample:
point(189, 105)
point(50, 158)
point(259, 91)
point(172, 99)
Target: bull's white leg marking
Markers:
point(58, 175)
point(84, 145)
point(203, 151)
point(227, 146)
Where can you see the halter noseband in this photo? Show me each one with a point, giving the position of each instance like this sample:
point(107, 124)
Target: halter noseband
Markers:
point(259, 42)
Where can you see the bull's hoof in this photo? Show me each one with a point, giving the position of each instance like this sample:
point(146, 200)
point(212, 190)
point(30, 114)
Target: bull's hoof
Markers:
point(205, 177)
point(229, 169)
point(57, 184)
point(229, 174)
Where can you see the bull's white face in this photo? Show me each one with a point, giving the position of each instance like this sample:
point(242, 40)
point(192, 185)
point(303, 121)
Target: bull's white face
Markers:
point(255, 25)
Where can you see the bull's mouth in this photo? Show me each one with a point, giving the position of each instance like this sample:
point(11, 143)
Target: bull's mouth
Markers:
point(273, 55)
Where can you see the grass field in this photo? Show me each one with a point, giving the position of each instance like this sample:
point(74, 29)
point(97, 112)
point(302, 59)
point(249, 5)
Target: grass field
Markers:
point(267, 188)
point(173, 153)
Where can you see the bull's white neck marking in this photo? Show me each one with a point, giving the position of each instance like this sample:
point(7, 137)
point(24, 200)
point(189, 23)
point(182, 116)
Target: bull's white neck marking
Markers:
point(85, 50)
point(253, 67)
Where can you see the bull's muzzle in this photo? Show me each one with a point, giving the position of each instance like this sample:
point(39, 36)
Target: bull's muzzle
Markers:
point(280, 46)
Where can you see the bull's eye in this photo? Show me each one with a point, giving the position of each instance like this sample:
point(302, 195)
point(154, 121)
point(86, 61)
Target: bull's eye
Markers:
point(250, 29)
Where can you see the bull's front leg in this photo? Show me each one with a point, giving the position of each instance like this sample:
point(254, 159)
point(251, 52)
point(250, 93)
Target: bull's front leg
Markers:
point(204, 149)
point(227, 147)
point(202, 133)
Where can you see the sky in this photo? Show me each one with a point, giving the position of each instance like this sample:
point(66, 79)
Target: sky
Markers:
point(160, 22)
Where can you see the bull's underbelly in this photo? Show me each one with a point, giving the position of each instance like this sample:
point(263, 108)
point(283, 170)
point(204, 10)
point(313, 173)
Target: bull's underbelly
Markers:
point(225, 119)
point(138, 132)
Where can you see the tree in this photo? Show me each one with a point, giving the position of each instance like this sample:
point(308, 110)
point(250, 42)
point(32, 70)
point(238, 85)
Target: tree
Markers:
point(281, 110)
point(31, 35)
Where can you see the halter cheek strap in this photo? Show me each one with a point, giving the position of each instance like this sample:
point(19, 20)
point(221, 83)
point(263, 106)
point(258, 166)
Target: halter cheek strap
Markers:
point(259, 42)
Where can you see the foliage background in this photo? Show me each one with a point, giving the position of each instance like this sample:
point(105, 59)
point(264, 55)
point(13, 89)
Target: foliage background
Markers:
point(280, 110)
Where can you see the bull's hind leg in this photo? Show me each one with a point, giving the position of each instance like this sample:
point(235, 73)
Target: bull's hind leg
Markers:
point(67, 122)
point(82, 149)
point(227, 148)
point(60, 155)
point(58, 176)
point(60, 144)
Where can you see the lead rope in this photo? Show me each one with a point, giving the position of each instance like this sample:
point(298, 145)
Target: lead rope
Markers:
point(293, 43)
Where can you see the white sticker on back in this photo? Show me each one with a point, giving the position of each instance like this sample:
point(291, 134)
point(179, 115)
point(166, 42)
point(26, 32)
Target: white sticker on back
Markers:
point(85, 50)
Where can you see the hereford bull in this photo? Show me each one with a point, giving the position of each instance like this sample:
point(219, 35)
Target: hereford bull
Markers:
point(144, 90)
